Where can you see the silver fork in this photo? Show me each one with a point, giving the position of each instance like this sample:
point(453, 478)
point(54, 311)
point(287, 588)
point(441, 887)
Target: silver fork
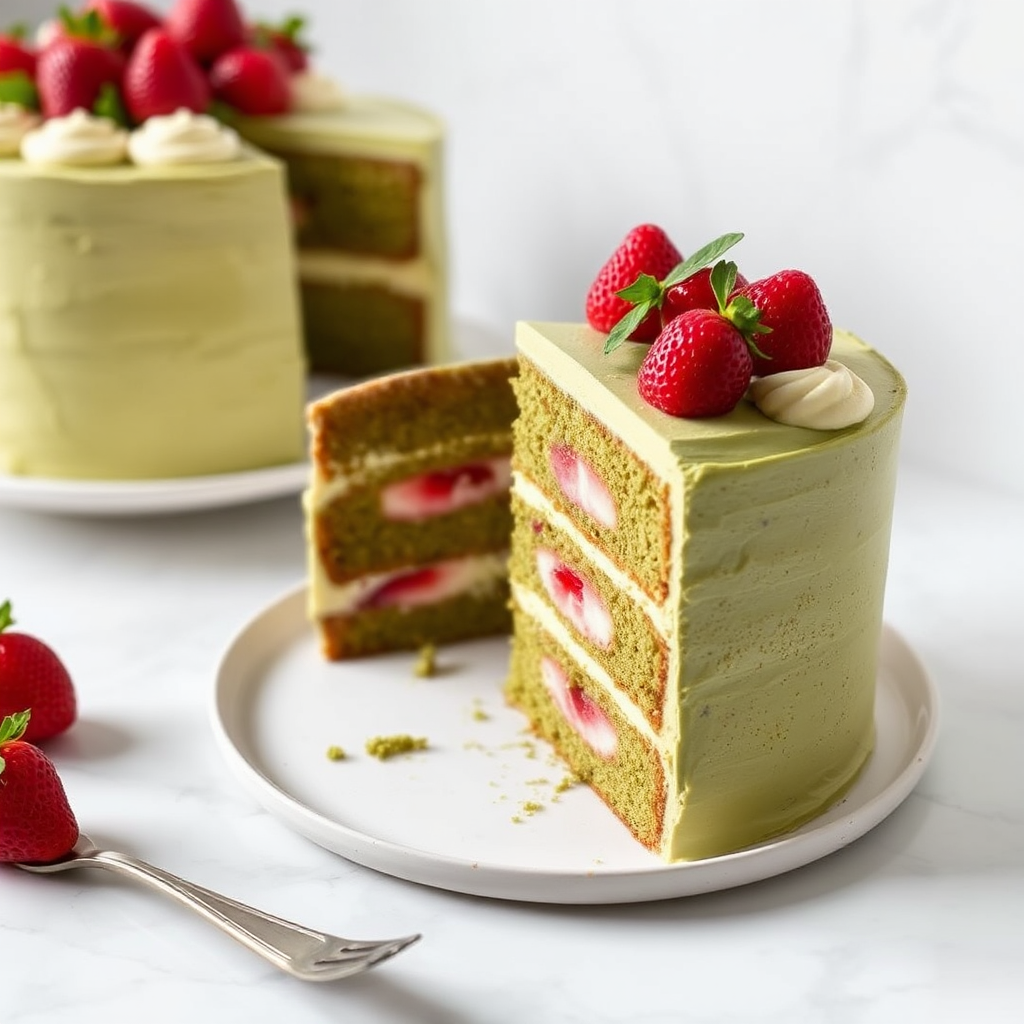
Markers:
point(301, 952)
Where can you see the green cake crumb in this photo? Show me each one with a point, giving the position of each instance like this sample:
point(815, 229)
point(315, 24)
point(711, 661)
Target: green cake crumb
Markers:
point(383, 747)
point(479, 715)
point(532, 807)
point(567, 782)
point(336, 754)
point(426, 662)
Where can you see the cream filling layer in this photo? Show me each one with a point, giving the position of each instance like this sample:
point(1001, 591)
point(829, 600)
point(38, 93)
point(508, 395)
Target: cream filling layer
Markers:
point(542, 613)
point(659, 614)
point(326, 490)
point(412, 277)
point(473, 574)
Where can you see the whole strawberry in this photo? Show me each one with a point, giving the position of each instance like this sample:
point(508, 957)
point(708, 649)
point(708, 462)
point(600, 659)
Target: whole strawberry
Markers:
point(206, 28)
point(792, 308)
point(701, 364)
point(129, 20)
point(252, 80)
point(162, 77)
point(15, 54)
point(284, 39)
point(74, 67)
point(36, 821)
point(646, 250)
point(32, 675)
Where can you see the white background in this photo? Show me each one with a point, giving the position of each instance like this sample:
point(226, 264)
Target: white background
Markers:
point(876, 144)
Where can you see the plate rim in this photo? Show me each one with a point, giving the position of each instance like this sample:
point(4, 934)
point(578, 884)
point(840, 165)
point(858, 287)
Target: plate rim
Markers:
point(154, 495)
point(598, 886)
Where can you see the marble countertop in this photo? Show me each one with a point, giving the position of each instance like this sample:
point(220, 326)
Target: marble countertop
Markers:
point(920, 920)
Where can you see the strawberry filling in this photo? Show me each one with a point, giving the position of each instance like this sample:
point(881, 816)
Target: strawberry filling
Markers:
point(591, 723)
point(576, 598)
point(428, 584)
point(444, 491)
point(582, 485)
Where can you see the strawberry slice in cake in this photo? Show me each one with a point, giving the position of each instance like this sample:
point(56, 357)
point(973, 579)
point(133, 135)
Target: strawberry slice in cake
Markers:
point(408, 514)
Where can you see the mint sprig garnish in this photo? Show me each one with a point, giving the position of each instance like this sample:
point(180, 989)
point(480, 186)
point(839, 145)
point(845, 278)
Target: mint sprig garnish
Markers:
point(17, 87)
point(647, 293)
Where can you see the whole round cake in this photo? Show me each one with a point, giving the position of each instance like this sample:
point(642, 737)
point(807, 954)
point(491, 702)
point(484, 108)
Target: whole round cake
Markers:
point(191, 218)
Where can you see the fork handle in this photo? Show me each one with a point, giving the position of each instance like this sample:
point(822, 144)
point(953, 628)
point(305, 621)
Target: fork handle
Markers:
point(273, 938)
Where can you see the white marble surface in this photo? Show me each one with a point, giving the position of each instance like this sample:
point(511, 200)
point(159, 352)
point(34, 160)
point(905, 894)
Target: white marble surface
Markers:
point(919, 921)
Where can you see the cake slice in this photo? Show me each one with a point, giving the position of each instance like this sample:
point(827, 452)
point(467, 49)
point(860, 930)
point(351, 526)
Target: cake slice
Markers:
point(697, 602)
point(407, 513)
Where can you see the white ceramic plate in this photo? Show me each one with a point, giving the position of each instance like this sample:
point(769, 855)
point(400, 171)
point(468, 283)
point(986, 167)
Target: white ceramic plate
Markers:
point(151, 497)
point(457, 815)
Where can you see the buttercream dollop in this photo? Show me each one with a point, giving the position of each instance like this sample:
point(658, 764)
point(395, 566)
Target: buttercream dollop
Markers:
point(183, 137)
point(15, 123)
point(313, 92)
point(827, 397)
point(77, 139)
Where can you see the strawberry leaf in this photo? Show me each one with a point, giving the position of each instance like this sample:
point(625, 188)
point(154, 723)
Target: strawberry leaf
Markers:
point(627, 325)
point(6, 618)
point(723, 278)
point(17, 32)
point(17, 87)
point(13, 726)
point(109, 104)
point(701, 258)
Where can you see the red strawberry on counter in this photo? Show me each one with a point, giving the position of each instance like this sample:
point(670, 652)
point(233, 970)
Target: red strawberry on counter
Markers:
point(645, 252)
point(701, 364)
point(36, 821)
point(253, 81)
point(206, 28)
point(74, 67)
point(792, 308)
point(284, 40)
point(15, 55)
point(128, 19)
point(162, 77)
point(32, 675)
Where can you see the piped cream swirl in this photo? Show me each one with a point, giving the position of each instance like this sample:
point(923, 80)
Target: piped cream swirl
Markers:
point(827, 397)
point(183, 137)
point(313, 92)
point(77, 139)
point(15, 123)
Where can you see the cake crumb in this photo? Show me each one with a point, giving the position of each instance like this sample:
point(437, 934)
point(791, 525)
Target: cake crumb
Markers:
point(336, 753)
point(426, 662)
point(531, 807)
point(567, 782)
point(383, 747)
point(479, 715)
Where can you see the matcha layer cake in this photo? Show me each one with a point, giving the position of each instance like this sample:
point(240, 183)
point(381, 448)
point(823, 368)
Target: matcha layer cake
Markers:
point(407, 513)
point(697, 603)
point(149, 323)
point(365, 182)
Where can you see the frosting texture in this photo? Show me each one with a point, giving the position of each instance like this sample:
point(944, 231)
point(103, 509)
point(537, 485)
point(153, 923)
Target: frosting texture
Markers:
point(15, 123)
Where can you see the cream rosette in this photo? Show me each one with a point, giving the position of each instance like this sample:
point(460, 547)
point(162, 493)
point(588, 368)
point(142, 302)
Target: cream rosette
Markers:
point(78, 139)
point(827, 397)
point(183, 137)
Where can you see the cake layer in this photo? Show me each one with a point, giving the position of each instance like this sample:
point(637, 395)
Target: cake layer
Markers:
point(149, 322)
point(587, 729)
point(561, 448)
point(359, 329)
point(480, 610)
point(618, 632)
point(363, 431)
